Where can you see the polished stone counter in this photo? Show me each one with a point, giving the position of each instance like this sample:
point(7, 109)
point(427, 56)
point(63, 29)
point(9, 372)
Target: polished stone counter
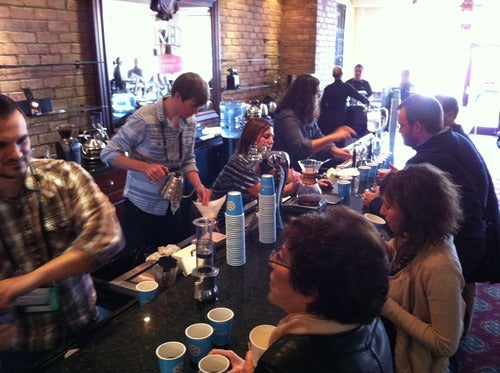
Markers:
point(127, 342)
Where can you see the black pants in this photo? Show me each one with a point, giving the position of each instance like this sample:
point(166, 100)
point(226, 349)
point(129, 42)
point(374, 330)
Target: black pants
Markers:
point(145, 232)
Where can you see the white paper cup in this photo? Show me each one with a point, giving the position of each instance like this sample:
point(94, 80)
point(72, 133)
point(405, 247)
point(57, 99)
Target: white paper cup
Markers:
point(214, 364)
point(376, 220)
point(259, 341)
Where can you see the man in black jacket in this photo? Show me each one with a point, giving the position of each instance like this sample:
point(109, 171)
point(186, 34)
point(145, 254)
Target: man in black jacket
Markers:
point(421, 126)
point(356, 115)
point(333, 103)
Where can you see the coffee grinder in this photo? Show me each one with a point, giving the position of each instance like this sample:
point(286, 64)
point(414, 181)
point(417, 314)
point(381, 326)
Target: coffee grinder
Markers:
point(205, 287)
point(68, 148)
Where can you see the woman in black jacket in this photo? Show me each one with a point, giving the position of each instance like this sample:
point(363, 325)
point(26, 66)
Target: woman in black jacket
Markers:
point(332, 280)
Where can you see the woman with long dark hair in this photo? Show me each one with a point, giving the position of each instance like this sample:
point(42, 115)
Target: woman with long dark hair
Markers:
point(297, 132)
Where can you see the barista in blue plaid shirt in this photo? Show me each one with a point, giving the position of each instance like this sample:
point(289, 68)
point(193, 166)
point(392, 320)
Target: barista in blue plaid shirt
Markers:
point(157, 139)
point(56, 226)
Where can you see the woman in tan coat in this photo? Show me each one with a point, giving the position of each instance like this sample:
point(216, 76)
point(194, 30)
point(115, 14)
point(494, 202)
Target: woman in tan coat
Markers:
point(425, 308)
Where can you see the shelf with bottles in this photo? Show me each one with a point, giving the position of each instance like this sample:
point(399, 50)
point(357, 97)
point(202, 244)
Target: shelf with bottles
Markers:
point(77, 64)
point(81, 109)
point(266, 57)
point(247, 88)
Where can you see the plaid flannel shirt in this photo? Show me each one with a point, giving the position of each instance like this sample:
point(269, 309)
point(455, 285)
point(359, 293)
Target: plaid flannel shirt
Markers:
point(78, 216)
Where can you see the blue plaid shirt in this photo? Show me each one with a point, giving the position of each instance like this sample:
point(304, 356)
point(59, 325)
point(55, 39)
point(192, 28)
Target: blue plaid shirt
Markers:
point(149, 137)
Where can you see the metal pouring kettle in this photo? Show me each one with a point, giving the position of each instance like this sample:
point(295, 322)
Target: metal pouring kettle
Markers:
point(91, 150)
point(173, 186)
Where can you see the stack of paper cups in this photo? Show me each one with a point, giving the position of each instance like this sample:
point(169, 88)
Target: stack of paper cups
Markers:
point(235, 230)
point(267, 210)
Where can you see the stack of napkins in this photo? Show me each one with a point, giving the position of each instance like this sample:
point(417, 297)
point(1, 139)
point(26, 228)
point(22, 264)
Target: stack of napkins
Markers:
point(186, 259)
point(163, 251)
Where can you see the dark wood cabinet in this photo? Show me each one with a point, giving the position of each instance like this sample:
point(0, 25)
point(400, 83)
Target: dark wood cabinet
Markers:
point(210, 159)
point(111, 181)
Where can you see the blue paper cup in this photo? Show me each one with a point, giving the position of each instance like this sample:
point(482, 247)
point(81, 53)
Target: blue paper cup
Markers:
point(146, 291)
point(199, 338)
point(234, 203)
point(373, 172)
point(345, 191)
point(214, 363)
point(171, 357)
point(364, 172)
point(267, 185)
point(221, 319)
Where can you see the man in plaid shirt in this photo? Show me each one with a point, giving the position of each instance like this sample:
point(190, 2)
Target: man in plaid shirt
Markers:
point(56, 226)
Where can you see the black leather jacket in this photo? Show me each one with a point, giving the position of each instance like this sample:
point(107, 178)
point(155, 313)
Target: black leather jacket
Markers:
point(364, 349)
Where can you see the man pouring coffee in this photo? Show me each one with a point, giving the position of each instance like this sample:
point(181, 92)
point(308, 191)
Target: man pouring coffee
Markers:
point(155, 140)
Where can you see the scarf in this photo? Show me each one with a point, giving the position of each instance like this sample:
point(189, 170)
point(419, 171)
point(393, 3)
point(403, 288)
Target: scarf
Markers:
point(305, 323)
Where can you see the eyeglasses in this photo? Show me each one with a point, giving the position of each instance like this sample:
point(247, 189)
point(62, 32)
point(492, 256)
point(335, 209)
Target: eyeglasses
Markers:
point(275, 259)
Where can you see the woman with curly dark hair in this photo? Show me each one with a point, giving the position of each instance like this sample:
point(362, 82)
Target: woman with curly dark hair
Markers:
point(425, 306)
point(331, 278)
point(297, 132)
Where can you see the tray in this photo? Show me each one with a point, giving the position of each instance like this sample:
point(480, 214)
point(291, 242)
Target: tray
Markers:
point(292, 205)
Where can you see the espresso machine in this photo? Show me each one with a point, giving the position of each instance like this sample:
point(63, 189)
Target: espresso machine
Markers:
point(205, 287)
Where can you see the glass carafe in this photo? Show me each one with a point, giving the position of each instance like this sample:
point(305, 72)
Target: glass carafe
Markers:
point(204, 243)
point(309, 193)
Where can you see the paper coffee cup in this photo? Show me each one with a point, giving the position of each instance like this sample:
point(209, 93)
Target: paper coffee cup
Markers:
point(146, 291)
point(214, 364)
point(259, 341)
point(199, 338)
point(171, 357)
point(376, 220)
point(221, 319)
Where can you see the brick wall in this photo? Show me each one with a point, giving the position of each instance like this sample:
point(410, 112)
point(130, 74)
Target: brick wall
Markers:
point(250, 34)
point(298, 46)
point(276, 38)
point(302, 33)
point(49, 32)
point(326, 24)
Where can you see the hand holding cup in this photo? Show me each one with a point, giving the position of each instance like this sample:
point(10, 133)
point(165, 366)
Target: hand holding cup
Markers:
point(369, 196)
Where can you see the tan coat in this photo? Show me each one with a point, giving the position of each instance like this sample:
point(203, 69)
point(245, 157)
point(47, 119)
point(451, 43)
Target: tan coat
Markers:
point(426, 306)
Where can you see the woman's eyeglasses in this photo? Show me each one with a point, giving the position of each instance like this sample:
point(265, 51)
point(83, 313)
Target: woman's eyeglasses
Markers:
point(274, 258)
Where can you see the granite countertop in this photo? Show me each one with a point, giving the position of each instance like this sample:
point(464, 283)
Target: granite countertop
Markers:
point(127, 342)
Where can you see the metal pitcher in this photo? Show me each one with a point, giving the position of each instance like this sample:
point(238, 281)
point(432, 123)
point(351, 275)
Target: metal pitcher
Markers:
point(377, 119)
point(173, 186)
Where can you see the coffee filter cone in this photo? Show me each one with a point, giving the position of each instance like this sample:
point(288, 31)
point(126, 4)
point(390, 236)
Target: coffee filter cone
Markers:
point(212, 209)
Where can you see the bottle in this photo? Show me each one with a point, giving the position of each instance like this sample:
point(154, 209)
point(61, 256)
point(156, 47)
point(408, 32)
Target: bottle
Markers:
point(233, 79)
